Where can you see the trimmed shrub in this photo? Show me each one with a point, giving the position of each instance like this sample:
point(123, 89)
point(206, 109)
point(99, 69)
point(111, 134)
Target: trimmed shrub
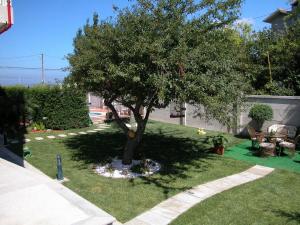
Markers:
point(261, 113)
point(55, 107)
point(12, 108)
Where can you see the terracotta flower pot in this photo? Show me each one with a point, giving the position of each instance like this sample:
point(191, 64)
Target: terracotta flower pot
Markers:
point(220, 150)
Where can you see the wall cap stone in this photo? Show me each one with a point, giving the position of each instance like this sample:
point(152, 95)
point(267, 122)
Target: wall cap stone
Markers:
point(273, 97)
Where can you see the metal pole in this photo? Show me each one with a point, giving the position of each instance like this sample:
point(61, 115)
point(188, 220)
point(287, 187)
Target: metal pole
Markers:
point(43, 73)
point(59, 168)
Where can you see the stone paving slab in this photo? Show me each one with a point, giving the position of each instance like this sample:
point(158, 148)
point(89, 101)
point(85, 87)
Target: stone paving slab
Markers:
point(82, 132)
point(202, 192)
point(51, 137)
point(137, 221)
point(174, 205)
point(153, 218)
point(91, 131)
point(186, 197)
point(168, 210)
point(72, 134)
point(39, 138)
point(62, 135)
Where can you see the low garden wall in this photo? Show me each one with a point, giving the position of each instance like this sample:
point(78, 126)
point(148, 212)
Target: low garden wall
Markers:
point(286, 110)
point(192, 119)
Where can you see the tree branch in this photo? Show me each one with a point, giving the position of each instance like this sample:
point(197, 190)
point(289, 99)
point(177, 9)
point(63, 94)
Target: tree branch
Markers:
point(118, 119)
point(149, 108)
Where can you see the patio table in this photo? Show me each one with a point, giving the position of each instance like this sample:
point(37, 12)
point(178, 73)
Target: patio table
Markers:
point(272, 138)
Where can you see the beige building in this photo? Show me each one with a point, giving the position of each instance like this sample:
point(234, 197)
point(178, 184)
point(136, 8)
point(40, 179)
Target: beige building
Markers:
point(281, 18)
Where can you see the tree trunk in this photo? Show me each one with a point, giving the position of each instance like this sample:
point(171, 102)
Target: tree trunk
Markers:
point(133, 143)
point(129, 150)
point(133, 138)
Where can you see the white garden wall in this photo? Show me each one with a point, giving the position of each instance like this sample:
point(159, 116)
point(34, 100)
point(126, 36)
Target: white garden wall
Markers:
point(286, 111)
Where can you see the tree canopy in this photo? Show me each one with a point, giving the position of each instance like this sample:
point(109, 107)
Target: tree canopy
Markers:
point(162, 50)
point(275, 59)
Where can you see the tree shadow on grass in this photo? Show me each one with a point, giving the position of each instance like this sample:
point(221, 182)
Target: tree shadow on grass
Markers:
point(291, 216)
point(175, 153)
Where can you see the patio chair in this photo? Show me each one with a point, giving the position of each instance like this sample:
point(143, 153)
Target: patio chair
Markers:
point(292, 130)
point(290, 145)
point(255, 137)
point(281, 131)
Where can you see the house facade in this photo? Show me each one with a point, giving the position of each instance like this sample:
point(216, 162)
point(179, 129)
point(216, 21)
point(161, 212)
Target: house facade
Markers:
point(281, 18)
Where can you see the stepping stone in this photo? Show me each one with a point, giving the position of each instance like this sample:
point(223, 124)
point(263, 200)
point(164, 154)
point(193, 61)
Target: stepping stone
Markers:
point(82, 132)
point(27, 140)
point(51, 137)
point(91, 131)
point(39, 138)
point(72, 134)
point(62, 135)
point(99, 129)
point(104, 125)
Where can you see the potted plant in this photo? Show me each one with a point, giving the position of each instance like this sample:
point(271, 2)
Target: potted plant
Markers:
point(218, 142)
point(260, 113)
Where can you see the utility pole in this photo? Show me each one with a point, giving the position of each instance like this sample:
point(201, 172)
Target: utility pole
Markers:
point(43, 72)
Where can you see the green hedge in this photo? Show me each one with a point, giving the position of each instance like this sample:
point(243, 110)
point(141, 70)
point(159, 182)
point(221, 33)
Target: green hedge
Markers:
point(12, 108)
point(56, 107)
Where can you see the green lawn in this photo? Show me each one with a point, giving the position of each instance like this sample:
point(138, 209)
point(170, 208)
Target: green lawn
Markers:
point(274, 200)
point(186, 163)
point(180, 150)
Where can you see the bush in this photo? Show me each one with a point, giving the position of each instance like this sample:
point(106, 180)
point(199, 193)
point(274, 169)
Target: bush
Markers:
point(12, 108)
point(55, 107)
point(261, 113)
point(38, 126)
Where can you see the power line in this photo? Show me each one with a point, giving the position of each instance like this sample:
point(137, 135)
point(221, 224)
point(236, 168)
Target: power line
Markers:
point(56, 57)
point(20, 57)
point(31, 56)
point(31, 68)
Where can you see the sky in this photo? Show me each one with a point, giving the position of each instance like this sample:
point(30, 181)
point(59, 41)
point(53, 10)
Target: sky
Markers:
point(48, 27)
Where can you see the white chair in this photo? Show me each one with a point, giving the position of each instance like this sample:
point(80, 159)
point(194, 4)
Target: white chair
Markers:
point(292, 130)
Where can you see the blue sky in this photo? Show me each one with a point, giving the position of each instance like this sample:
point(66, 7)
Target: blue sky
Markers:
point(49, 27)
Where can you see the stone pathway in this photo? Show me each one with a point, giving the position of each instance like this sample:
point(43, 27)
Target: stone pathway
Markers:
point(100, 127)
point(165, 212)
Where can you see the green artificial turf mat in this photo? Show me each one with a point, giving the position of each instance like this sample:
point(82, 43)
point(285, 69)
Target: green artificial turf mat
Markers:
point(242, 152)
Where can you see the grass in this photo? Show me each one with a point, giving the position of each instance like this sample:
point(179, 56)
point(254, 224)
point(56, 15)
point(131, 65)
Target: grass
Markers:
point(242, 152)
point(183, 154)
point(271, 200)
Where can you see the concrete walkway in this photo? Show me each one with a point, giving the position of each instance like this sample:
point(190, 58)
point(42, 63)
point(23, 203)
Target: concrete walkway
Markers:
point(168, 210)
point(29, 197)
